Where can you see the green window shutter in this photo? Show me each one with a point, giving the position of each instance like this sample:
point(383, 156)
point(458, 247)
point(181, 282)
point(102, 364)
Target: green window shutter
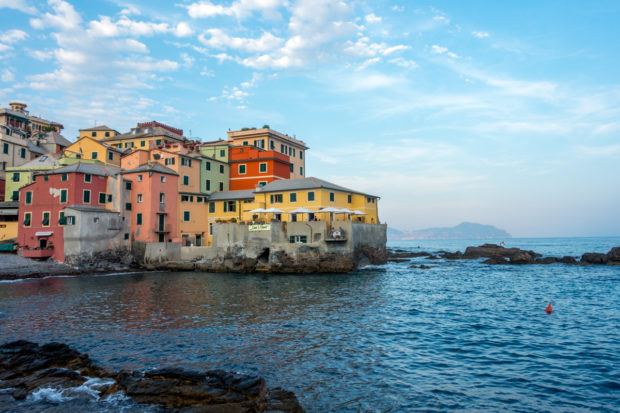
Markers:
point(63, 195)
point(139, 219)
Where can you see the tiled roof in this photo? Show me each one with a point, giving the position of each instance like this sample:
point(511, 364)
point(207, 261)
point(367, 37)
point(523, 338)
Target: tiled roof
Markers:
point(33, 147)
point(85, 168)
point(42, 162)
point(156, 131)
point(98, 128)
point(86, 208)
point(231, 195)
point(151, 167)
point(304, 183)
point(58, 139)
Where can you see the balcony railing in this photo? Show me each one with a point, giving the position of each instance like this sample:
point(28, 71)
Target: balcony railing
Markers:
point(37, 252)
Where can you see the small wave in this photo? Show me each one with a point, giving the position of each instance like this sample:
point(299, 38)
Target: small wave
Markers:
point(49, 395)
point(19, 280)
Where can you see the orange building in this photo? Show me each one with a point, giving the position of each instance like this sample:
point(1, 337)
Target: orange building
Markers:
point(153, 192)
point(251, 167)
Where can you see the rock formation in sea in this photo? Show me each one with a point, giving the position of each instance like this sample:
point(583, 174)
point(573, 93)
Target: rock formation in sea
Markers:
point(26, 367)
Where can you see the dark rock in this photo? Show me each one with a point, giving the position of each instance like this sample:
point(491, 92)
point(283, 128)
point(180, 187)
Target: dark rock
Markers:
point(594, 258)
point(26, 366)
point(400, 254)
point(421, 267)
point(613, 256)
point(568, 260)
point(521, 258)
point(546, 260)
point(496, 259)
point(516, 255)
point(458, 255)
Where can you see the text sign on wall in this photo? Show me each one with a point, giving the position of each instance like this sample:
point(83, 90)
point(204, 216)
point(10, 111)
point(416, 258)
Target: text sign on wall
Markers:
point(260, 227)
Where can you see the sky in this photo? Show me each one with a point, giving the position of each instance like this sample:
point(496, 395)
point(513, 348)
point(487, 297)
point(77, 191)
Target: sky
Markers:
point(502, 113)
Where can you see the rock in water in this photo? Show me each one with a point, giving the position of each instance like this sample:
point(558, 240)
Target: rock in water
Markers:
point(26, 366)
point(594, 258)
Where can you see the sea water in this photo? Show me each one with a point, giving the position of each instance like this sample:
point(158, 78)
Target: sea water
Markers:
point(461, 335)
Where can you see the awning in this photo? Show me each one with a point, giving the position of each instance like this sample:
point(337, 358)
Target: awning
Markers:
point(43, 233)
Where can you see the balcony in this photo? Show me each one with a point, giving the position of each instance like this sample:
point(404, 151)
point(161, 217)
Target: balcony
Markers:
point(167, 229)
point(37, 253)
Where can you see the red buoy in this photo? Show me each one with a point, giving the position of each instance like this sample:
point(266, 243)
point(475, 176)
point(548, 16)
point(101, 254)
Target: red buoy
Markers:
point(549, 309)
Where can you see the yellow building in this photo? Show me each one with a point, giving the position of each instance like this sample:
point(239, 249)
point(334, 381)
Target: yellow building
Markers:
point(322, 200)
point(88, 148)
point(146, 135)
point(8, 225)
point(98, 132)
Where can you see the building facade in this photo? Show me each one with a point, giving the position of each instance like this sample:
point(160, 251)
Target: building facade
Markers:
point(251, 167)
point(269, 139)
point(98, 132)
point(90, 149)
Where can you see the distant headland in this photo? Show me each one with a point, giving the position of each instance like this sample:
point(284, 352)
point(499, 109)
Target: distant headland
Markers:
point(464, 230)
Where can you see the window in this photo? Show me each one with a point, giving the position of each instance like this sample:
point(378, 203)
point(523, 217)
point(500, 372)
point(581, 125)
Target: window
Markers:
point(63, 196)
point(310, 196)
point(262, 167)
point(331, 197)
point(28, 197)
point(70, 220)
point(61, 218)
point(107, 134)
point(139, 178)
point(245, 143)
point(126, 235)
point(292, 197)
point(162, 197)
point(292, 151)
point(301, 170)
point(221, 186)
point(86, 196)
point(230, 206)
point(222, 153)
point(242, 169)
point(349, 198)
point(5, 148)
point(93, 134)
point(162, 178)
point(15, 177)
point(221, 169)
point(208, 165)
point(102, 197)
point(282, 148)
point(139, 198)
point(262, 183)
point(63, 177)
point(211, 228)
point(184, 198)
point(208, 184)
point(15, 196)
point(298, 239)
point(128, 185)
point(139, 218)
point(110, 156)
point(46, 219)
point(186, 216)
point(142, 144)
point(109, 198)
point(158, 142)
point(276, 198)
point(291, 167)
point(78, 156)
point(272, 145)
point(186, 162)
point(128, 206)
point(185, 180)
point(211, 207)
point(27, 219)
point(88, 178)
point(46, 178)
point(94, 155)
point(301, 154)
point(157, 157)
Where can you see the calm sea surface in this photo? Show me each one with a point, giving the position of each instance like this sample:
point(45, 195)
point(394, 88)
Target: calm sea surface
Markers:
point(459, 336)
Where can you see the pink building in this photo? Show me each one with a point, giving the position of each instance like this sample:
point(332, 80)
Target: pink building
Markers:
point(153, 194)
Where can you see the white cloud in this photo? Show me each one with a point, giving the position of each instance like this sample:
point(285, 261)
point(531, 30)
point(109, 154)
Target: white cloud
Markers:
point(404, 63)
point(366, 48)
point(218, 39)
point(238, 94)
point(20, 5)
point(480, 34)
point(183, 29)
point(365, 82)
point(239, 9)
point(369, 62)
point(7, 75)
point(129, 10)
point(187, 60)
point(41, 55)
point(372, 18)
point(12, 36)
point(63, 17)
point(442, 50)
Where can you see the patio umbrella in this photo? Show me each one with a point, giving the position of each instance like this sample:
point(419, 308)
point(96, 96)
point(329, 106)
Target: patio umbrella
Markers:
point(301, 210)
point(329, 209)
point(274, 211)
point(258, 211)
point(358, 212)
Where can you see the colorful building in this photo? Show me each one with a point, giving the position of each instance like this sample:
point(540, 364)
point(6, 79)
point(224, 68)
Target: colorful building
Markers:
point(42, 206)
point(147, 135)
point(153, 203)
point(91, 149)
point(251, 167)
point(98, 132)
point(269, 139)
point(215, 149)
point(9, 214)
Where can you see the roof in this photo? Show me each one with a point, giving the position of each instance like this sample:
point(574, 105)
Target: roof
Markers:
point(217, 142)
point(98, 128)
point(9, 205)
point(86, 168)
point(142, 133)
point(305, 183)
point(231, 195)
point(87, 208)
point(46, 161)
point(151, 167)
point(33, 147)
point(256, 133)
point(58, 139)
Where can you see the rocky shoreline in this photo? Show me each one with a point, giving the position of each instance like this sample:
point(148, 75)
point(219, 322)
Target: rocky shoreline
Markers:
point(27, 367)
point(497, 254)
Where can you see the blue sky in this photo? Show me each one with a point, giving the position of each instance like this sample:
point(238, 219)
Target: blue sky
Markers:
point(504, 113)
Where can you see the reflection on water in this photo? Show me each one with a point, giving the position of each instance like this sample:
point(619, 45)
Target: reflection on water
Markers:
point(459, 336)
